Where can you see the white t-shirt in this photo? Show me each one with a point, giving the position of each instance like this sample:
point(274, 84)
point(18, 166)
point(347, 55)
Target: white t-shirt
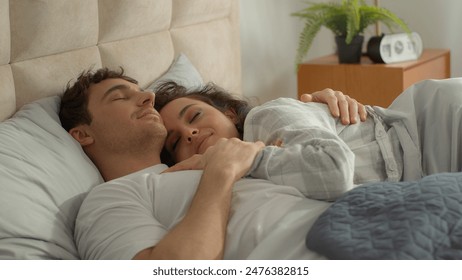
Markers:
point(124, 216)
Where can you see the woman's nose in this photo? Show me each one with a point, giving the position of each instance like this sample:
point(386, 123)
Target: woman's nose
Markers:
point(191, 135)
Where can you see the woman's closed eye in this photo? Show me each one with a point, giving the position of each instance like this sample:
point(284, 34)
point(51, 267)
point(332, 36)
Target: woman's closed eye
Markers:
point(195, 116)
point(175, 143)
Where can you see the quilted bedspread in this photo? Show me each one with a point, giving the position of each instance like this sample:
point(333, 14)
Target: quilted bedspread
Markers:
point(404, 220)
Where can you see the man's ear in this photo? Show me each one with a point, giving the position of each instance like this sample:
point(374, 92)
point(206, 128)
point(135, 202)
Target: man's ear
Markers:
point(81, 135)
point(231, 114)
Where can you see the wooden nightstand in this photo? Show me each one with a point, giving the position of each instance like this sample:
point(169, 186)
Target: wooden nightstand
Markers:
point(370, 83)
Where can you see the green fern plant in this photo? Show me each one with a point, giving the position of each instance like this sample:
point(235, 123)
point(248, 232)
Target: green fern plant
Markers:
point(348, 18)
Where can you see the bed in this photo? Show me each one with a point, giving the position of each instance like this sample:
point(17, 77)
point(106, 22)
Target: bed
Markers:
point(45, 44)
point(45, 175)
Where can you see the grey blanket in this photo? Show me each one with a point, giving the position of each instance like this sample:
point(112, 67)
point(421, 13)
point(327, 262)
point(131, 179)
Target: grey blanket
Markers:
point(405, 220)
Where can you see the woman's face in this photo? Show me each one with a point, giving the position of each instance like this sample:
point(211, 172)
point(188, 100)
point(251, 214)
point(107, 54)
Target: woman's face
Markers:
point(193, 126)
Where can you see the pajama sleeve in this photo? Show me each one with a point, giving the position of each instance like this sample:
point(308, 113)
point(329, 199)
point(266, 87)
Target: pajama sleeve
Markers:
point(311, 156)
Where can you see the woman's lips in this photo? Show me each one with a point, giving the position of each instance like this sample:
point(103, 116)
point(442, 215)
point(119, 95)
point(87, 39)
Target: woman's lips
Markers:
point(202, 143)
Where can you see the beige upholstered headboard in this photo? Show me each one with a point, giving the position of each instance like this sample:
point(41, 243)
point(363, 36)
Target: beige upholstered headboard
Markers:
point(44, 44)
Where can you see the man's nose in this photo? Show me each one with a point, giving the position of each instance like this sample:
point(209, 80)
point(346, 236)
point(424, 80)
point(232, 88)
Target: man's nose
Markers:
point(147, 97)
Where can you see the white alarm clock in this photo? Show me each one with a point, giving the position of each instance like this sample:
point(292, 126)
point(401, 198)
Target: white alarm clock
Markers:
point(395, 47)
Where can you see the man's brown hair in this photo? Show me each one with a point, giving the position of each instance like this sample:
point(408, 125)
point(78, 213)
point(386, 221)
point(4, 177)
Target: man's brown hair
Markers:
point(74, 101)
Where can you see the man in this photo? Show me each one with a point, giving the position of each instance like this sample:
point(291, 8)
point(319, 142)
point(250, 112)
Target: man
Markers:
point(114, 121)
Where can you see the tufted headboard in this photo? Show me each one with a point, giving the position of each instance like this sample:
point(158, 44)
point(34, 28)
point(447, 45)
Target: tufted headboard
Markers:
point(44, 44)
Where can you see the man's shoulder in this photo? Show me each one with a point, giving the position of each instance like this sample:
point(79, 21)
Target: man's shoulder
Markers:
point(151, 171)
point(129, 184)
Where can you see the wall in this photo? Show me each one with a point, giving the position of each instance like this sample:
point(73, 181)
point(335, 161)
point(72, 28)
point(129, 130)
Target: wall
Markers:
point(269, 39)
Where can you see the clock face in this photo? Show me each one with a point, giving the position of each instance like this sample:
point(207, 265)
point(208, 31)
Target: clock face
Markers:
point(400, 47)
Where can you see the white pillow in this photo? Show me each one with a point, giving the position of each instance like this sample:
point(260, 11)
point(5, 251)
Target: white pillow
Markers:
point(44, 175)
point(183, 72)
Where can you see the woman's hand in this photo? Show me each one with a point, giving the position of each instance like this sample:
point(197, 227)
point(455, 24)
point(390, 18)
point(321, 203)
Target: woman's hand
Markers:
point(192, 163)
point(340, 105)
point(230, 155)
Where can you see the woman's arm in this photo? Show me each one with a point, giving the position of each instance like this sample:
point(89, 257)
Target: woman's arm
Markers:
point(312, 157)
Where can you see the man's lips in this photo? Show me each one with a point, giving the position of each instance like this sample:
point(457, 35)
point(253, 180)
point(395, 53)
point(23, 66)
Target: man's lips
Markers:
point(148, 112)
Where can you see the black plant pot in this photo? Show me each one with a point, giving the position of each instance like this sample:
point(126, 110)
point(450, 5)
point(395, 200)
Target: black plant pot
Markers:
point(349, 53)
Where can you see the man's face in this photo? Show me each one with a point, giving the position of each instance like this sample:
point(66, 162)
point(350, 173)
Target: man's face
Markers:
point(123, 117)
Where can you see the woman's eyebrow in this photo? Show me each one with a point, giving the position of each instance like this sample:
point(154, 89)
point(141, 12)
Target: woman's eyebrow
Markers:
point(183, 111)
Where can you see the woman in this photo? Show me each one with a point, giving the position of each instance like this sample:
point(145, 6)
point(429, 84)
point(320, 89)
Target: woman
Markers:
point(311, 150)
